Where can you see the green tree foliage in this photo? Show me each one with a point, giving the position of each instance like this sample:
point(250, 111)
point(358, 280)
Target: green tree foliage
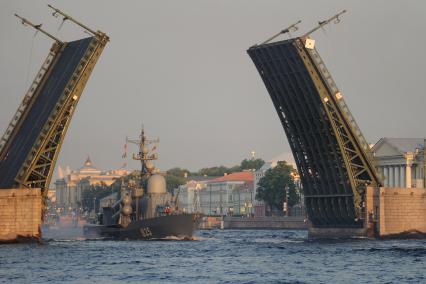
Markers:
point(250, 164)
point(246, 164)
point(173, 182)
point(176, 177)
point(214, 171)
point(271, 187)
point(94, 194)
point(178, 172)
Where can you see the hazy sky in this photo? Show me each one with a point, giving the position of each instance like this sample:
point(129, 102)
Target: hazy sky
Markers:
point(181, 69)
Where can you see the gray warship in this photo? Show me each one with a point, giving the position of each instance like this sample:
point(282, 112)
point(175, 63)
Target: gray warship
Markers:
point(145, 210)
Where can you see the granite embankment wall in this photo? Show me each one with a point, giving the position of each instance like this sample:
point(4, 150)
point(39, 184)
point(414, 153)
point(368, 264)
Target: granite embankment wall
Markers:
point(296, 223)
point(397, 212)
point(211, 222)
point(20, 214)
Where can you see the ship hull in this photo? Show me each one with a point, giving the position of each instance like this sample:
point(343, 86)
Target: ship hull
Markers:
point(180, 226)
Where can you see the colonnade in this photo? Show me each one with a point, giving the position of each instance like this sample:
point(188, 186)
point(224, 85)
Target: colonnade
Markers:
point(397, 175)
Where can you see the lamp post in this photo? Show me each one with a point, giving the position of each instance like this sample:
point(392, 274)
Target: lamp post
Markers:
point(286, 189)
point(251, 202)
point(239, 200)
point(94, 204)
point(210, 200)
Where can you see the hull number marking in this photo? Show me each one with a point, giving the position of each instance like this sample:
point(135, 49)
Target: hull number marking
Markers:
point(146, 232)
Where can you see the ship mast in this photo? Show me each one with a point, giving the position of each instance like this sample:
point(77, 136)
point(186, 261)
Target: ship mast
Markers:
point(145, 155)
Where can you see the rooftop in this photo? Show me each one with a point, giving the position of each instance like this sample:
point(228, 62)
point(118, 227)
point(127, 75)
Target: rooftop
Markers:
point(403, 145)
point(239, 176)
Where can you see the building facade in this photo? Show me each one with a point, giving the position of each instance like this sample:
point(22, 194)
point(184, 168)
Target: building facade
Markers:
point(189, 195)
point(401, 161)
point(70, 185)
point(231, 194)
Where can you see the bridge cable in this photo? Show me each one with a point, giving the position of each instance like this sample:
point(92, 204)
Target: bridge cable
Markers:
point(62, 24)
point(30, 61)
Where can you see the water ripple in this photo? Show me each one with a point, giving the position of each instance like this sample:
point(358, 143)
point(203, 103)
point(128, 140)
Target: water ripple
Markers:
point(216, 257)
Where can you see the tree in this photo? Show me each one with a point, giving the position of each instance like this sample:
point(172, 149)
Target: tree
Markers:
point(94, 193)
point(252, 164)
point(214, 171)
point(178, 172)
point(176, 177)
point(246, 164)
point(272, 187)
point(173, 182)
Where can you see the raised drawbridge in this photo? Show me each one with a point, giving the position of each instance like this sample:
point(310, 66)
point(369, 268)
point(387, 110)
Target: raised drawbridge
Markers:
point(32, 141)
point(332, 156)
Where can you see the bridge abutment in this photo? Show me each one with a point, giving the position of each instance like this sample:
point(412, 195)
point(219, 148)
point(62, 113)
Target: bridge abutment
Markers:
point(396, 212)
point(390, 213)
point(20, 215)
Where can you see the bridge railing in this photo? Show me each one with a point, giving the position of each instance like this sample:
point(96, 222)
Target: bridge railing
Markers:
point(27, 99)
point(342, 104)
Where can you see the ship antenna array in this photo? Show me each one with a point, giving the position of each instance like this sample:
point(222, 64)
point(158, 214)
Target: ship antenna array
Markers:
point(323, 23)
point(68, 17)
point(142, 142)
point(25, 22)
point(289, 29)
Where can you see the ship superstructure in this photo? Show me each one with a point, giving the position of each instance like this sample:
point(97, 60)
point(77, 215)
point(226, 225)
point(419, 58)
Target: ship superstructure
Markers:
point(145, 209)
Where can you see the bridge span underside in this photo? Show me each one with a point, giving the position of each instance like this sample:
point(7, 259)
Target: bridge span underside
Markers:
point(31, 144)
point(289, 75)
point(35, 120)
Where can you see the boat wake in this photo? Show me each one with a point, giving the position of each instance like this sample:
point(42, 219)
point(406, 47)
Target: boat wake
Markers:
point(177, 238)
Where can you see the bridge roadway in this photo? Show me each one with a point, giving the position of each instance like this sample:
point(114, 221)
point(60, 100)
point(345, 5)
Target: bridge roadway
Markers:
point(328, 148)
point(27, 133)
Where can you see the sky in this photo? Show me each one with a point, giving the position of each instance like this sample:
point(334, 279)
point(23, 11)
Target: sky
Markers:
point(181, 69)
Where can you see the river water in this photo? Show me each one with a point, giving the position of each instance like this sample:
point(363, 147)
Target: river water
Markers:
point(216, 256)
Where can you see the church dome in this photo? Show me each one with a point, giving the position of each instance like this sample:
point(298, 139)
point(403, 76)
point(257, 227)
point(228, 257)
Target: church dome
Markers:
point(88, 162)
point(88, 168)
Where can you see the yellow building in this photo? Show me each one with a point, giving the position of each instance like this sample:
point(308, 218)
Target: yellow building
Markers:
point(71, 184)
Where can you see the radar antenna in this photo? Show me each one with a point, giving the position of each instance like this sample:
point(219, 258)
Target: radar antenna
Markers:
point(144, 155)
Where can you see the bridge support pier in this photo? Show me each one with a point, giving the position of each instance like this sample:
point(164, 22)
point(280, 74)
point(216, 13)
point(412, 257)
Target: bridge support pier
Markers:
point(20, 215)
point(390, 213)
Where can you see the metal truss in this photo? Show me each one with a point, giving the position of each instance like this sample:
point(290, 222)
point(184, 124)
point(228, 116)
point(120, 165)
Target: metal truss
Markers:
point(331, 154)
point(37, 170)
point(26, 102)
point(358, 158)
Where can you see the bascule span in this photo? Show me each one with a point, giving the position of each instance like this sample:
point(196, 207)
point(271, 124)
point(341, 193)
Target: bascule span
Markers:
point(344, 193)
point(31, 143)
point(332, 156)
